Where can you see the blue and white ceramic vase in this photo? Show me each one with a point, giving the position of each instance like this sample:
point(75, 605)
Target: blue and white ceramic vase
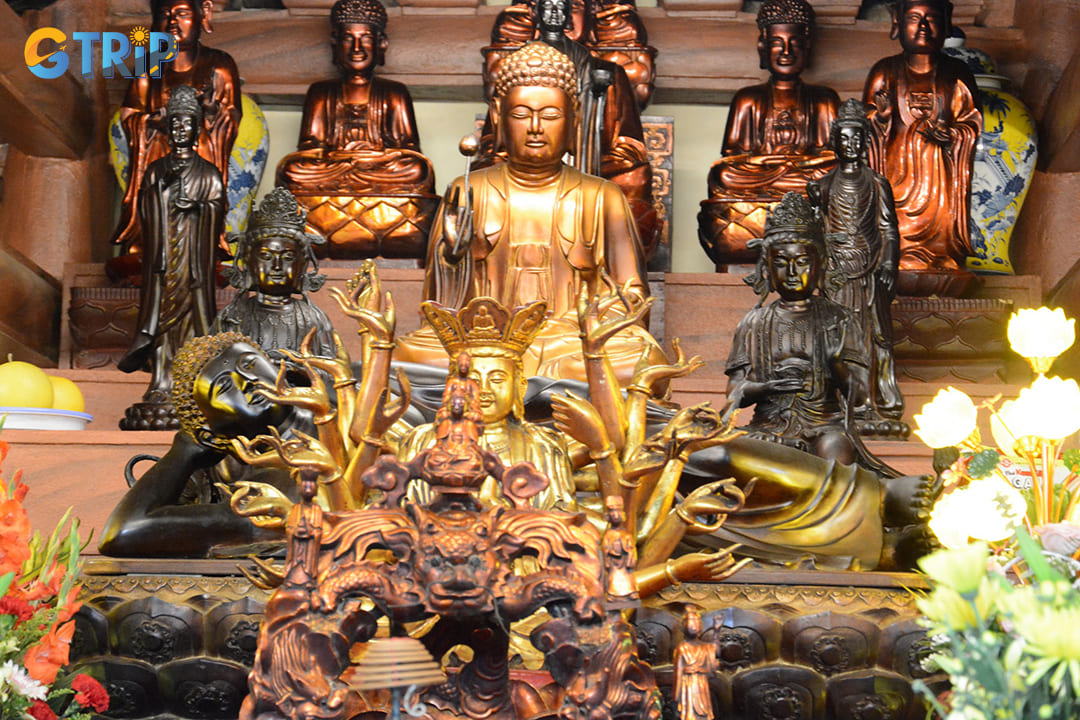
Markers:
point(1004, 164)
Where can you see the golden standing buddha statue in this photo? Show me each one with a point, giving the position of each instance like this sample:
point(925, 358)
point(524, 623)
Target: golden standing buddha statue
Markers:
point(925, 126)
point(534, 228)
point(776, 140)
point(358, 169)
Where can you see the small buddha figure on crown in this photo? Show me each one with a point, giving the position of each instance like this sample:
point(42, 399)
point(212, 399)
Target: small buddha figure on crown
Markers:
point(926, 122)
point(271, 272)
point(359, 144)
point(776, 140)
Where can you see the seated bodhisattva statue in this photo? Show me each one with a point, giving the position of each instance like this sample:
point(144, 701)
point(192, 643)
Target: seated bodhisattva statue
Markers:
point(358, 169)
point(271, 271)
point(776, 140)
point(534, 228)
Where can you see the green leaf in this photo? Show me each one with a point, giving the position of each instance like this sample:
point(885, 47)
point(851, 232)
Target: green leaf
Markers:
point(5, 582)
point(983, 463)
point(1032, 553)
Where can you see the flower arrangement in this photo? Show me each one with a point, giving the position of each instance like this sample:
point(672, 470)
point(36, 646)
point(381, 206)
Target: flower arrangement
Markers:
point(37, 602)
point(1012, 651)
point(982, 498)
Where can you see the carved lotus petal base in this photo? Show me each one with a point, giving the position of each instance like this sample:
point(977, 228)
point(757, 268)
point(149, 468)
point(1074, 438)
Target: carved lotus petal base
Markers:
point(392, 226)
point(725, 226)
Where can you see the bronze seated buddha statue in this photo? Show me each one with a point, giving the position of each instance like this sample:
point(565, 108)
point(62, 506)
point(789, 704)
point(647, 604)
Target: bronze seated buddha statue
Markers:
point(776, 139)
point(358, 168)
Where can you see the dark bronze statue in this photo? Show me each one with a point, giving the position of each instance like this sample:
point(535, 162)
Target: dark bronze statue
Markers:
point(181, 212)
point(533, 228)
point(143, 116)
point(271, 272)
point(800, 360)
point(215, 392)
point(776, 140)
point(863, 246)
point(359, 149)
point(926, 122)
point(695, 662)
point(612, 30)
point(608, 138)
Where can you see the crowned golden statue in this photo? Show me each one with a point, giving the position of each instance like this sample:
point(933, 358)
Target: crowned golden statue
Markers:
point(534, 228)
point(358, 168)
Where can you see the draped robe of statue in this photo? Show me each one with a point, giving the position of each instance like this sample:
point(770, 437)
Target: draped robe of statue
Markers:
point(355, 149)
point(591, 230)
point(609, 140)
point(777, 342)
point(766, 148)
point(278, 325)
point(860, 225)
point(931, 183)
point(695, 662)
point(146, 97)
point(177, 296)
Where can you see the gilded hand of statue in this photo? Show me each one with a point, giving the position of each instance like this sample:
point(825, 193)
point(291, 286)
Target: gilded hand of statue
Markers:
point(696, 428)
point(363, 304)
point(388, 409)
point(263, 504)
point(647, 377)
point(299, 451)
point(716, 499)
point(313, 398)
point(578, 418)
point(338, 367)
point(707, 567)
point(457, 224)
point(591, 313)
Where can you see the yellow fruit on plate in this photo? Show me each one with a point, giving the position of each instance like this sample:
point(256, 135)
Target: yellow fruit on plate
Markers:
point(24, 385)
point(66, 395)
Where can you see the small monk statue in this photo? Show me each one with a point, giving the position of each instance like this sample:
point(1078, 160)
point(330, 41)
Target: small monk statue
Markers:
point(608, 136)
point(358, 139)
point(776, 140)
point(213, 74)
point(181, 212)
point(271, 272)
point(864, 245)
point(695, 661)
point(926, 122)
point(619, 553)
point(801, 360)
point(533, 228)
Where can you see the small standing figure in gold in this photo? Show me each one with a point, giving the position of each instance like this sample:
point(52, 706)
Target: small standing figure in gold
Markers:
point(359, 142)
point(776, 140)
point(143, 113)
point(864, 245)
point(695, 662)
point(926, 123)
point(619, 552)
point(182, 213)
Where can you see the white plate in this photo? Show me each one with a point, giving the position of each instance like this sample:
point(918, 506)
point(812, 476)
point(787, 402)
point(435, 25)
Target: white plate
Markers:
point(16, 418)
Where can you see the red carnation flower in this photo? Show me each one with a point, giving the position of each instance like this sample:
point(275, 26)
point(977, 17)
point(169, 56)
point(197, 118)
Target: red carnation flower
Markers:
point(90, 693)
point(41, 711)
